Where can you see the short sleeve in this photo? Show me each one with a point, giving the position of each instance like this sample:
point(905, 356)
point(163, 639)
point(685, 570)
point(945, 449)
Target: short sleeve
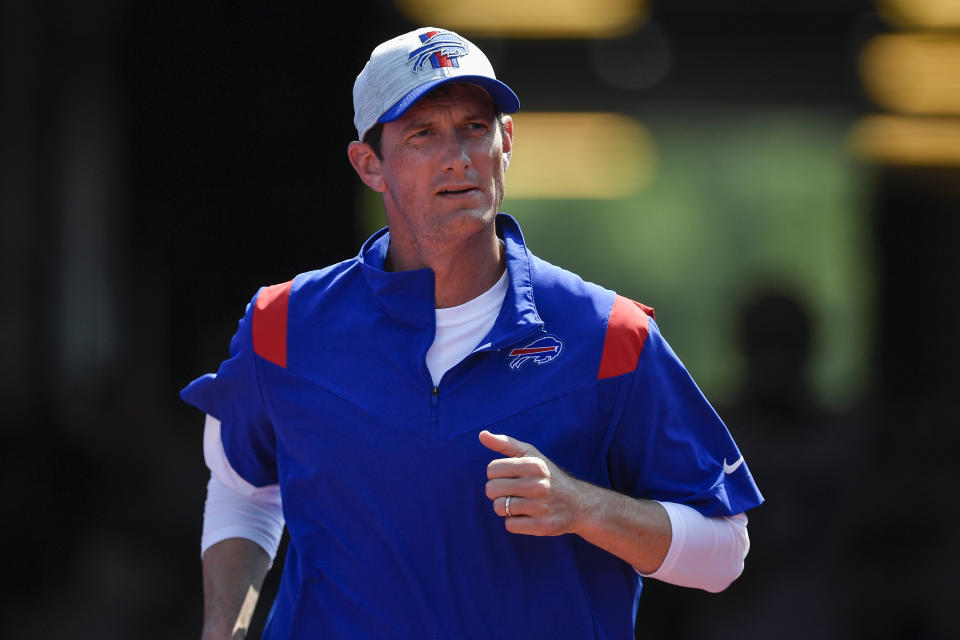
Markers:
point(233, 395)
point(671, 445)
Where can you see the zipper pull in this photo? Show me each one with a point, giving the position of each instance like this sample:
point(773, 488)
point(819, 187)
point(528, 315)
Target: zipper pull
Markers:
point(434, 396)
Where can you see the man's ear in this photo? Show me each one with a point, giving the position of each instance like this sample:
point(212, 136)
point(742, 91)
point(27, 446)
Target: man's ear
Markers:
point(507, 130)
point(367, 165)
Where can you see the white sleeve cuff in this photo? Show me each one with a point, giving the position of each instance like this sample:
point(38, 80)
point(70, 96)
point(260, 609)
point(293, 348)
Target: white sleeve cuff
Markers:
point(229, 514)
point(235, 508)
point(705, 553)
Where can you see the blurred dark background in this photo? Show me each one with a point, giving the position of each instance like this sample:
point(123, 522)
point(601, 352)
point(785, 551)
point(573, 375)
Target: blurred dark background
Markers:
point(159, 163)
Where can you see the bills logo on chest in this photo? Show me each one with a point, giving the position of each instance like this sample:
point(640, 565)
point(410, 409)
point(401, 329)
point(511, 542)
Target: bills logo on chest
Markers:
point(541, 351)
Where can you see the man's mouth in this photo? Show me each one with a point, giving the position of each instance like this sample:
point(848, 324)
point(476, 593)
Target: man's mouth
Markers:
point(456, 191)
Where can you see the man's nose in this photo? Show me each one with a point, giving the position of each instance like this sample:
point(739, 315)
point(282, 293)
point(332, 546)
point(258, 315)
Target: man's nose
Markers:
point(456, 154)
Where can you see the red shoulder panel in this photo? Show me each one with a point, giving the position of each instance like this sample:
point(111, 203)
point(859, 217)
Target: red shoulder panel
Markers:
point(626, 335)
point(270, 323)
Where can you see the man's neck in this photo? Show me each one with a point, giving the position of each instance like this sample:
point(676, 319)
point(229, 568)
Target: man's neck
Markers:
point(460, 273)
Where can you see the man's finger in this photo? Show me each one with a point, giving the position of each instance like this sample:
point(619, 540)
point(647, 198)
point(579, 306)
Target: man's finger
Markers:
point(510, 447)
point(519, 506)
point(526, 525)
point(502, 487)
point(517, 468)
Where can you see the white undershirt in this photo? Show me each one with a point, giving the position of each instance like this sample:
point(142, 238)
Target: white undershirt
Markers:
point(705, 553)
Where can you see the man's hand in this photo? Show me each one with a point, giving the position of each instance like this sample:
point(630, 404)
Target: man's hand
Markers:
point(544, 499)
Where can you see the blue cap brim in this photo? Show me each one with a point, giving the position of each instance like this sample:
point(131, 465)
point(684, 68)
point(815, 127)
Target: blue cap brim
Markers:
point(504, 99)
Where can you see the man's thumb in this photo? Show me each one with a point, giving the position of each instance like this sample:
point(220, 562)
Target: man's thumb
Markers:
point(503, 444)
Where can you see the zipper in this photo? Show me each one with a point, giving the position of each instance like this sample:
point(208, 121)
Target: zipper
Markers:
point(434, 425)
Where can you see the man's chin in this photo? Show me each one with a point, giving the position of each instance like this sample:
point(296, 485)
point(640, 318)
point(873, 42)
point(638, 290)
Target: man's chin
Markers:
point(465, 223)
point(471, 215)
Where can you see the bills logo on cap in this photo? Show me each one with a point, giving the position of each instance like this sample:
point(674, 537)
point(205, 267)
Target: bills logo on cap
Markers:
point(440, 49)
point(540, 351)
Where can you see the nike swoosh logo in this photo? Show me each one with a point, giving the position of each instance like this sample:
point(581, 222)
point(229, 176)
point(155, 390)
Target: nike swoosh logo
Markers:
point(730, 468)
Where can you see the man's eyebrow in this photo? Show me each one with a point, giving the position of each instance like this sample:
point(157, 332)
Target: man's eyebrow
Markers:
point(481, 114)
point(420, 123)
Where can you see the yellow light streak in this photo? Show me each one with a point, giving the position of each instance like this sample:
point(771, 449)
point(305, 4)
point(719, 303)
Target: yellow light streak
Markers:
point(906, 140)
point(921, 14)
point(579, 155)
point(916, 74)
point(529, 18)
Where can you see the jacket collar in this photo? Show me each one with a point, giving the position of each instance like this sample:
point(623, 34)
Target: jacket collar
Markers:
point(408, 296)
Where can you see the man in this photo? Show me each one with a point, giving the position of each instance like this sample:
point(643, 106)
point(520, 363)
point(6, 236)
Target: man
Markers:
point(466, 441)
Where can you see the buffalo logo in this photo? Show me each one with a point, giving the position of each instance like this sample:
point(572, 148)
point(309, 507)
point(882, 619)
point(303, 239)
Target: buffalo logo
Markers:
point(540, 351)
point(440, 49)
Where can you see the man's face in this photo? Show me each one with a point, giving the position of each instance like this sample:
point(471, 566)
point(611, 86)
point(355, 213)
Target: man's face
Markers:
point(442, 166)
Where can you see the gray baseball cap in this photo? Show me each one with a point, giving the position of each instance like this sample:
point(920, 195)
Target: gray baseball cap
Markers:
point(401, 70)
